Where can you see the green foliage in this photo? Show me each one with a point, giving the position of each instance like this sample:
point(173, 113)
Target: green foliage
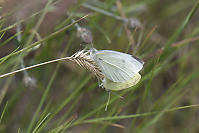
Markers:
point(62, 97)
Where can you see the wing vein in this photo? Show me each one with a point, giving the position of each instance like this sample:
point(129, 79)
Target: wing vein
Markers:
point(116, 67)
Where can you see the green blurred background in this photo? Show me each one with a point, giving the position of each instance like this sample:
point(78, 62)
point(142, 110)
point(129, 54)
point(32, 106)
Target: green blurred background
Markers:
point(63, 97)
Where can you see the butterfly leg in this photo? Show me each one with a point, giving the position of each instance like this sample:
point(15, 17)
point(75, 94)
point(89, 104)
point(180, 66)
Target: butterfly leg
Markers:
point(100, 83)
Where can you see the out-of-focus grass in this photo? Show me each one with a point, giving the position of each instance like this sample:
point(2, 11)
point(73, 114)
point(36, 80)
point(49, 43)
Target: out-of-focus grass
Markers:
point(68, 99)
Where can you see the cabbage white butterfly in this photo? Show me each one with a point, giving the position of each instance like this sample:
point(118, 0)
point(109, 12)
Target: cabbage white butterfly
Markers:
point(120, 70)
point(116, 66)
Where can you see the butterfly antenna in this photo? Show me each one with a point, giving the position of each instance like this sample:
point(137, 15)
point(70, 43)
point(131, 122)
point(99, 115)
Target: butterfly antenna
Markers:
point(109, 96)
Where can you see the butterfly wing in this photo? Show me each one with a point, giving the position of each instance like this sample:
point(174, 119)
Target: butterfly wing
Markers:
point(136, 63)
point(116, 86)
point(117, 66)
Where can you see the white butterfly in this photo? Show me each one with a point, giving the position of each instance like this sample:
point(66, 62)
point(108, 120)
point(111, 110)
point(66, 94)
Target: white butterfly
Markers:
point(121, 70)
point(117, 66)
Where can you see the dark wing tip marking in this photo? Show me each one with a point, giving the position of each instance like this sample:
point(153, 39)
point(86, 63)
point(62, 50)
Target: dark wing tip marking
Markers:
point(141, 61)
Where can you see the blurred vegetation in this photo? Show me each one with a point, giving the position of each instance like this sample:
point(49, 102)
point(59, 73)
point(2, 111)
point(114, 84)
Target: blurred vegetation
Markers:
point(62, 97)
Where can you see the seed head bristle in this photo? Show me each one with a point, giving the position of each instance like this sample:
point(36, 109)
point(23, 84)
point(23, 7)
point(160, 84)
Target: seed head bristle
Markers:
point(83, 59)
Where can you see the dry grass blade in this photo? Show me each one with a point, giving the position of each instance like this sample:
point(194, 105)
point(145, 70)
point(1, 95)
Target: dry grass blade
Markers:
point(174, 45)
point(81, 58)
point(128, 32)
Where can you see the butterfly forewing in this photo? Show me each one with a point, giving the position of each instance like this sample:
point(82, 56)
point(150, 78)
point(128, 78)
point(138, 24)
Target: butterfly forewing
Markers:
point(117, 66)
point(113, 72)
